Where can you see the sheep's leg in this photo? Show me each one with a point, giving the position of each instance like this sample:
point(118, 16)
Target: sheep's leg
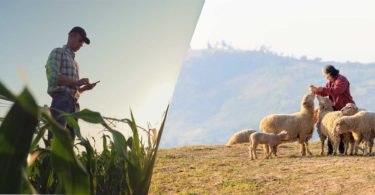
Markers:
point(274, 149)
point(365, 146)
point(346, 147)
point(347, 139)
point(303, 149)
point(251, 152)
point(302, 141)
point(322, 143)
point(266, 149)
point(307, 148)
point(322, 140)
point(351, 148)
point(356, 147)
point(357, 141)
point(336, 144)
point(370, 144)
point(255, 150)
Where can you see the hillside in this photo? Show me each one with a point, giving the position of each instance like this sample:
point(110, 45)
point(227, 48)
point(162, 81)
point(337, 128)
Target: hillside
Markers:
point(217, 169)
point(220, 91)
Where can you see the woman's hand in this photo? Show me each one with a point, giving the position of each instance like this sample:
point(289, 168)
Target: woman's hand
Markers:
point(315, 89)
point(312, 88)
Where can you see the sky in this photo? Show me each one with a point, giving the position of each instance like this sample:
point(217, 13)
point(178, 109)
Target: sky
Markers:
point(340, 30)
point(137, 49)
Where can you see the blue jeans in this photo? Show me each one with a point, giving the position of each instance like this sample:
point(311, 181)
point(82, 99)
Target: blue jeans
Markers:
point(65, 103)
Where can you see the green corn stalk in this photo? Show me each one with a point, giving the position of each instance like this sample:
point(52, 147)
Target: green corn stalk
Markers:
point(139, 161)
point(125, 167)
point(73, 177)
point(16, 133)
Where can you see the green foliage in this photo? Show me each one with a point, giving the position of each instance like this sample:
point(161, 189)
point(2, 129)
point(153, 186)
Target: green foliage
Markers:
point(124, 166)
point(15, 141)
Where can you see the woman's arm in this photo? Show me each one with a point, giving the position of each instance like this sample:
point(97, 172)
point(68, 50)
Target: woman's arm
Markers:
point(339, 87)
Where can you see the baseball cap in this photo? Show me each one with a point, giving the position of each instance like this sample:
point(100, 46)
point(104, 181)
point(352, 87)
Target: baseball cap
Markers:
point(81, 32)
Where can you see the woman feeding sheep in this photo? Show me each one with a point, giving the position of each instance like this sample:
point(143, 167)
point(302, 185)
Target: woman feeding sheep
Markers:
point(338, 91)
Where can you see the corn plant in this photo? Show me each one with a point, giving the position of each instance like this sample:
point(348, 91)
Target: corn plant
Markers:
point(124, 166)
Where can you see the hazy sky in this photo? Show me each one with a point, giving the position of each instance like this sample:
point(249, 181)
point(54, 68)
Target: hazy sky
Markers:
point(138, 46)
point(136, 51)
point(333, 30)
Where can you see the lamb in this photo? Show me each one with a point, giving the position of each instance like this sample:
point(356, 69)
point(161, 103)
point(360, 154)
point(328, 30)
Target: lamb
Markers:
point(240, 137)
point(271, 140)
point(362, 125)
point(325, 125)
point(299, 125)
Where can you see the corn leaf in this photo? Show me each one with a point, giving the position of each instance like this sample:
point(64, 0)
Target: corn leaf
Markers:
point(16, 133)
point(38, 137)
point(150, 167)
point(96, 118)
point(5, 94)
point(73, 177)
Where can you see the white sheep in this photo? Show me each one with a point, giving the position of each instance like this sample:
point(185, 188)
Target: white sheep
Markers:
point(271, 140)
point(326, 121)
point(240, 137)
point(362, 125)
point(299, 125)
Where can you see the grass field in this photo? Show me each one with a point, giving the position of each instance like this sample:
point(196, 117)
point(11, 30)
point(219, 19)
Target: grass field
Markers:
point(217, 169)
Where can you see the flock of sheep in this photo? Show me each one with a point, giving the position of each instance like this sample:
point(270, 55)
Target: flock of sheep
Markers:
point(351, 125)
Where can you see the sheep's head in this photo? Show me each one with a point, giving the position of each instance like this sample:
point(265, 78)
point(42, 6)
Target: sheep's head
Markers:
point(325, 104)
point(284, 135)
point(349, 109)
point(308, 100)
point(341, 126)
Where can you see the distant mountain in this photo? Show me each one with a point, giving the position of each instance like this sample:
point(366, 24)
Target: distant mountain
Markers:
point(221, 91)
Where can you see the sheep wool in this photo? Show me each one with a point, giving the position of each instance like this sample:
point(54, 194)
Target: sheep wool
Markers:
point(240, 137)
point(299, 125)
point(362, 125)
point(326, 122)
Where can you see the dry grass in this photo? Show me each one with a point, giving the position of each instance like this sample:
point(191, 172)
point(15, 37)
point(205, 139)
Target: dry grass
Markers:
point(229, 170)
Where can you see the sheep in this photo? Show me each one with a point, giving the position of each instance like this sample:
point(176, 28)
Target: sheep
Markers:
point(240, 137)
point(326, 121)
point(348, 111)
point(299, 125)
point(362, 126)
point(271, 140)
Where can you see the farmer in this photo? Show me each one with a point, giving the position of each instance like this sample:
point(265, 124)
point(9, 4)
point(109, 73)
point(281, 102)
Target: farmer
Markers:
point(64, 84)
point(338, 91)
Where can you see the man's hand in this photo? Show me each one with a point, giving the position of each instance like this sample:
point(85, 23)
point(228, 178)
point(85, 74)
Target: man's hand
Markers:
point(83, 81)
point(90, 86)
point(87, 87)
point(61, 80)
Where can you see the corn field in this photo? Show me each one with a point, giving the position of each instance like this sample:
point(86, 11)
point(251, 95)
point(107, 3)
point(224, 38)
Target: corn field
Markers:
point(124, 166)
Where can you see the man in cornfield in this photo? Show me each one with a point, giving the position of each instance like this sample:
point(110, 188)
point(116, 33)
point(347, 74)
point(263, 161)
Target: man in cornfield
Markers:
point(64, 84)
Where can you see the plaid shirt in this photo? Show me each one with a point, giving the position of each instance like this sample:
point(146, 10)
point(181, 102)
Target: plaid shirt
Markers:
point(61, 62)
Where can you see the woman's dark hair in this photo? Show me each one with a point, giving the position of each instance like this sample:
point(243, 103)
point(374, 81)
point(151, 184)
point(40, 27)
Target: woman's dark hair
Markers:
point(331, 70)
